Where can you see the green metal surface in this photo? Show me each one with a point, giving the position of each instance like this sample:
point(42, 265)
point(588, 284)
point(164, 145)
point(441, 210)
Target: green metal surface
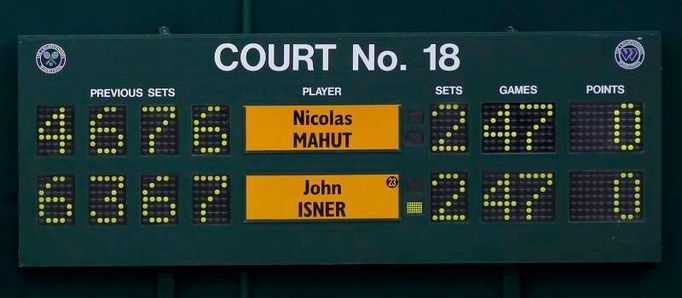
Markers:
point(126, 17)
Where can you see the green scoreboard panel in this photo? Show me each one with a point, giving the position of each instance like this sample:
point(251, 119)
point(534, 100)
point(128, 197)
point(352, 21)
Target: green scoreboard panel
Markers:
point(164, 150)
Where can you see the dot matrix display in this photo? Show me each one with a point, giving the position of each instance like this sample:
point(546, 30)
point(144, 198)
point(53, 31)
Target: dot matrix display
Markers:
point(518, 196)
point(414, 208)
point(449, 128)
point(56, 194)
point(159, 130)
point(606, 127)
point(159, 199)
point(518, 127)
point(107, 130)
point(606, 196)
point(210, 129)
point(211, 199)
point(107, 199)
point(448, 197)
point(55, 130)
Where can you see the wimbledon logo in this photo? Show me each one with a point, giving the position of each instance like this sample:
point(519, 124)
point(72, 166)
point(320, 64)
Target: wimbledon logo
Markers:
point(629, 54)
point(50, 58)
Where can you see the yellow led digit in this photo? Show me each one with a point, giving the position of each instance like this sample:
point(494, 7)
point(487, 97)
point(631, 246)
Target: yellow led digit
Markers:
point(159, 199)
point(606, 127)
point(107, 199)
point(449, 197)
point(627, 127)
point(211, 199)
point(518, 196)
point(210, 129)
point(627, 179)
point(55, 129)
point(107, 125)
point(159, 130)
point(518, 127)
point(607, 196)
point(56, 194)
point(449, 132)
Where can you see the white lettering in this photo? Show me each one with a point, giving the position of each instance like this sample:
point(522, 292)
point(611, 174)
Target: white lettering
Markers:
point(520, 89)
point(217, 57)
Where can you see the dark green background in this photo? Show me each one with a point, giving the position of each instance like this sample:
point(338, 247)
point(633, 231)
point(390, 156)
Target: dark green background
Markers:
point(127, 17)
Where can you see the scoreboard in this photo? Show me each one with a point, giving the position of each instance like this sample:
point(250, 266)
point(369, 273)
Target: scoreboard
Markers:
point(179, 150)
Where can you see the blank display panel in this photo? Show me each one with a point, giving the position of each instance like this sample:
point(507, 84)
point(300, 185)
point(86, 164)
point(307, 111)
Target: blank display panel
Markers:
point(55, 135)
point(211, 199)
point(449, 128)
point(518, 196)
point(449, 197)
point(606, 196)
point(107, 130)
point(518, 127)
point(107, 199)
point(159, 130)
point(56, 195)
point(159, 199)
point(210, 129)
point(606, 127)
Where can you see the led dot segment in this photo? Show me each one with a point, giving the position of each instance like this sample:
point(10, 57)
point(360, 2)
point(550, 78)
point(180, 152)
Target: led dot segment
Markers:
point(159, 199)
point(107, 199)
point(210, 129)
point(606, 127)
point(607, 196)
point(56, 196)
point(414, 208)
point(449, 128)
point(55, 130)
point(211, 199)
point(107, 126)
point(518, 196)
point(448, 197)
point(159, 130)
point(518, 127)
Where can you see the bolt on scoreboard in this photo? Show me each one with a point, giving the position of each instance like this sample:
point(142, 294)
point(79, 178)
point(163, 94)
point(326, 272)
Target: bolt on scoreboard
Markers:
point(163, 150)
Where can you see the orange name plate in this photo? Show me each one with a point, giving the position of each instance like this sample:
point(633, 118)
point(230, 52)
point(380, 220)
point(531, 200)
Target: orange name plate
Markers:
point(322, 127)
point(322, 197)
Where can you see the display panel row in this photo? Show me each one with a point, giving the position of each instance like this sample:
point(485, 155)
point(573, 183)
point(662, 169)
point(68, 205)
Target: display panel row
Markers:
point(506, 196)
point(530, 196)
point(518, 127)
point(527, 127)
point(159, 199)
point(107, 130)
